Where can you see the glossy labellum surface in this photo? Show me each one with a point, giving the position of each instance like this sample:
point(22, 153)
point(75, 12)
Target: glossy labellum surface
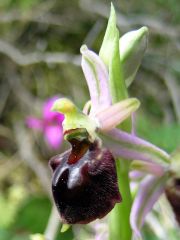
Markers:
point(84, 183)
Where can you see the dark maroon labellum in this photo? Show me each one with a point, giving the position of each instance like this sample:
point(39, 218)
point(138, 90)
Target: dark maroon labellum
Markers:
point(173, 195)
point(84, 182)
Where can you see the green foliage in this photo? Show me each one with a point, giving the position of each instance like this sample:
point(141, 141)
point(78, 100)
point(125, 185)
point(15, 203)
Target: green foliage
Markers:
point(166, 136)
point(4, 234)
point(21, 4)
point(33, 215)
point(9, 205)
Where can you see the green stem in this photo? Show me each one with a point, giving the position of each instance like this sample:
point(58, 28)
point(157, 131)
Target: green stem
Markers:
point(119, 223)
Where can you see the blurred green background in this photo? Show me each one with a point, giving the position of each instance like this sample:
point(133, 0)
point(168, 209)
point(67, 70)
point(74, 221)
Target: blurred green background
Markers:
point(40, 58)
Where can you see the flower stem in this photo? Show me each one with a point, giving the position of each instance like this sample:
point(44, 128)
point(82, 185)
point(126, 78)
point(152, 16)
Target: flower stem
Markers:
point(119, 224)
point(119, 218)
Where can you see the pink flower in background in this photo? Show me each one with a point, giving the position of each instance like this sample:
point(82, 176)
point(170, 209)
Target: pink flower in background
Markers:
point(50, 124)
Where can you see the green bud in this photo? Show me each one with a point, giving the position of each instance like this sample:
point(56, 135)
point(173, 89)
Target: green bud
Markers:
point(132, 47)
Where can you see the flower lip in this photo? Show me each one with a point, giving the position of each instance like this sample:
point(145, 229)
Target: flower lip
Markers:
point(79, 186)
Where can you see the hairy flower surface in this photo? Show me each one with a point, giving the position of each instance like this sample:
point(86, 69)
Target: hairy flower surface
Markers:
point(84, 183)
point(50, 124)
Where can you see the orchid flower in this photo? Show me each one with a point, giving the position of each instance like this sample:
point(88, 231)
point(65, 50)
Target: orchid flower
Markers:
point(84, 180)
point(50, 124)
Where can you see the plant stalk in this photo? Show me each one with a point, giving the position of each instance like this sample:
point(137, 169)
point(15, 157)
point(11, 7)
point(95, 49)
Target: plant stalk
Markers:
point(119, 221)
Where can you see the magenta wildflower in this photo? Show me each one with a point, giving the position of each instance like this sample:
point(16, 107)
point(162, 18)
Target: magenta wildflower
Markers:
point(50, 124)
